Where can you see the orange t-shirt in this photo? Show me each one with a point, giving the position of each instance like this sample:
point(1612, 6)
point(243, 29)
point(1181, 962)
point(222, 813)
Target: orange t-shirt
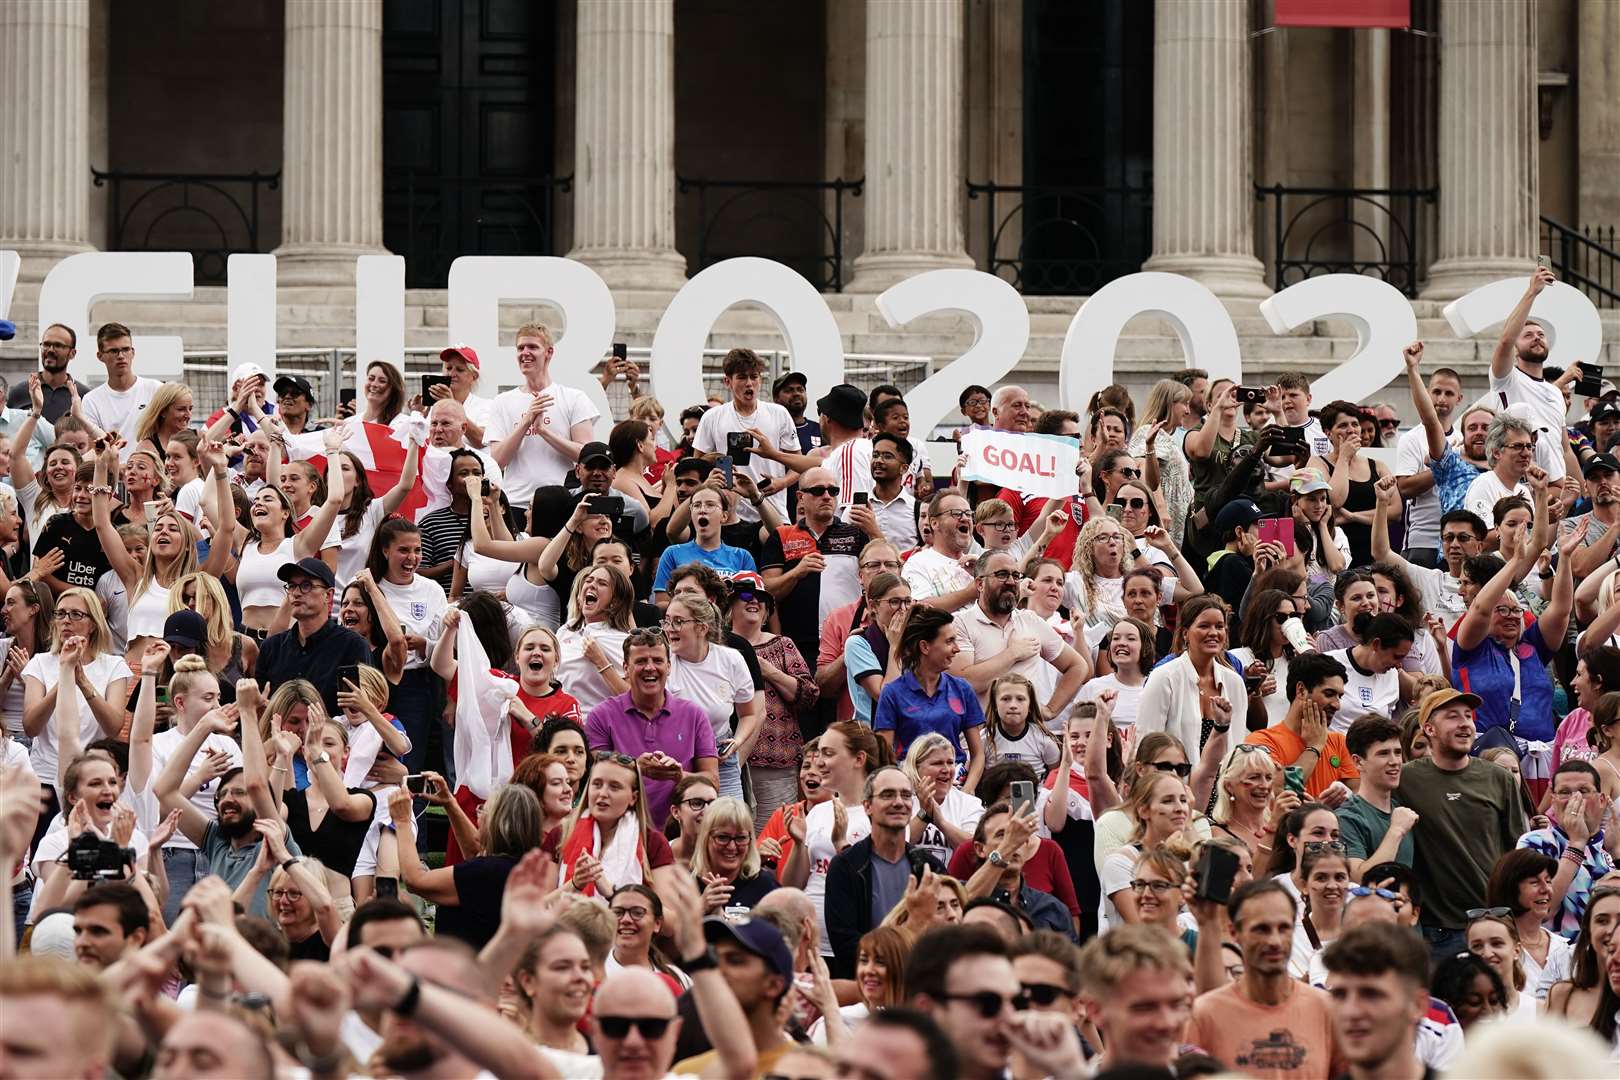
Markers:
point(1334, 763)
point(1294, 1039)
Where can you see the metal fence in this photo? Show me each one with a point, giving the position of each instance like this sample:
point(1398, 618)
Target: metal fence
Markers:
point(330, 369)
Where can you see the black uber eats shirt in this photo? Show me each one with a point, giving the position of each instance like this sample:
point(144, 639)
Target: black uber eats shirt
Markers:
point(84, 556)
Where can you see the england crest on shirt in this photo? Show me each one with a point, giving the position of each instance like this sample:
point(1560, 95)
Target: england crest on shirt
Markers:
point(1366, 695)
point(418, 612)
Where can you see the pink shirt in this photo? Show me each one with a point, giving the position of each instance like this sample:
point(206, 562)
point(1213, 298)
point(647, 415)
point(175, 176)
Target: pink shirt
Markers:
point(1570, 743)
point(834, 633)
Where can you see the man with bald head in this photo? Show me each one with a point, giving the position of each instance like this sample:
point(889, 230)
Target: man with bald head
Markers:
point(1012, 410)
point(812, 566)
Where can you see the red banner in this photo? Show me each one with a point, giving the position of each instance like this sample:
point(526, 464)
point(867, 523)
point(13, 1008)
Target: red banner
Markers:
point(1396, 14)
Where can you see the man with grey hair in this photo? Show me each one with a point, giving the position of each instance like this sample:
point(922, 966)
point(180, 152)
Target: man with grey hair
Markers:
point(1510, 446)
point(995, 636)
point(1012, 410)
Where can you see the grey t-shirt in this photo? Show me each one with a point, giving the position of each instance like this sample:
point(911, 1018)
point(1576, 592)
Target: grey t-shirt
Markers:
point(888, 884)
point(234, 863)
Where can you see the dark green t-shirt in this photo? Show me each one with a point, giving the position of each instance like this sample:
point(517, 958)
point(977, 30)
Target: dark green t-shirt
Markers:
point(1362, 827)
point(1466, 820)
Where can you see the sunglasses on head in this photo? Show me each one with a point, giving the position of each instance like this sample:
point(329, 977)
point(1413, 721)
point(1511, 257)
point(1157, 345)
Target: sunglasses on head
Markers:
point(1488, 913)
point(650, 1027)
point(1335, 847)
point(1180, 768)
point(1383, 894)
point(614, 757)
point(988, 1004)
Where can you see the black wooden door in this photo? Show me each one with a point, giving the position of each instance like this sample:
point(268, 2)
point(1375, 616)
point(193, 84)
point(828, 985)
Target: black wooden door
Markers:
point(468, 129)
point(1088, 143)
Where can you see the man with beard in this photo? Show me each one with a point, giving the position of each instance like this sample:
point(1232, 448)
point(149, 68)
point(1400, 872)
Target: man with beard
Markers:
point(1469, 813)
point(937, 574)
point(1267, 1022)
point(316, 646)
point(1137, 988)
point(230, 844)
point(110, 922)
point(1378, 991)
point(1597, 526)
point(789, 392)
point(812, 567)
point(995, 636)
point(1517, 379)
point(595, 474)
point(58, 345)
point(1197, 381)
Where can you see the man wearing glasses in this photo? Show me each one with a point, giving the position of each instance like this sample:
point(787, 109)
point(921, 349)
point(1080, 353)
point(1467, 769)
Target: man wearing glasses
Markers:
point(995, 636)
point(116, 404)
point(962, 978)
point(939, 574)
point(316, 647)
point(58, 345)
point(1510, 445)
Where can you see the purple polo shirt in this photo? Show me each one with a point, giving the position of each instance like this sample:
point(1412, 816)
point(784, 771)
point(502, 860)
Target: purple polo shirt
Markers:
point(680, 729)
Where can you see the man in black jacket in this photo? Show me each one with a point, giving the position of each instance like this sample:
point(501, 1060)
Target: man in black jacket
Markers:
point(867, 879)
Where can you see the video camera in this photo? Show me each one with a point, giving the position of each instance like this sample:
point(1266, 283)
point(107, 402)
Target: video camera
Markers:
point(90, 858)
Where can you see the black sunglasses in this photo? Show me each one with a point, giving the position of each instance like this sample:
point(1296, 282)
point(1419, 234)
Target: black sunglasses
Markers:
point(1135, 503)
point(617, 1027)
point(820, 489)
point(615, 757)
point(1182, 769)
point(1044, 994)
point(988, 1004)
point(1488, 913)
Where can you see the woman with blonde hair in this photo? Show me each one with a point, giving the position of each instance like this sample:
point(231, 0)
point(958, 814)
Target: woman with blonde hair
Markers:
point(716, 679)
point(101, 682)
point(1160, 810)
point(329, 819)
point(145, 476)
point(230, 654)
point(300, 904)
point(171, 554)
point(369, 732)
point(295, 706)
point(165, 416)
point(726, 860)
point(945, 815)
point(608, 841)
point(1169, 405)
point(948, 909)
point(1243, 801)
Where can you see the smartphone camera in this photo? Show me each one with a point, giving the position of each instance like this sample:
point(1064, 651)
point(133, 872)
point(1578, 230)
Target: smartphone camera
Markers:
point(859, 498)
point(738, 445)
point(1590, 384)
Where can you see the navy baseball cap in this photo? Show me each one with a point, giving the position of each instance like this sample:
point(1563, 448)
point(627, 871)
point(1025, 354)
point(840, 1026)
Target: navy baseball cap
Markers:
point(757, 936)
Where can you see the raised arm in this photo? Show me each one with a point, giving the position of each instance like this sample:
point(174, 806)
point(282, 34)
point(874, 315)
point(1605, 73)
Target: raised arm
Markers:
point(129, 572)
point(1554, 619)
point(407, 479)
point(1200, 442)
point(22, 473)
point(307, 543)
point(532, 550)
point(254, 766)
point(221, 515)
point(443, 660)
point(1507, 344)
point(1434, 432)
point(394, 644)
point(145, 718)
point(1098, 782)
point(167, 785)
point(1476, 621)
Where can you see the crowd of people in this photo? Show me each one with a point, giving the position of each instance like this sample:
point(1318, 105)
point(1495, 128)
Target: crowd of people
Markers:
point(439, 738)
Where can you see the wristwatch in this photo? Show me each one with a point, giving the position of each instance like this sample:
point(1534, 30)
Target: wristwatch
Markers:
point(323, 758)
point(996, 859)
point(706, 960)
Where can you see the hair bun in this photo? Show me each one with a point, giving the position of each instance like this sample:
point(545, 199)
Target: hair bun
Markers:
point(194, 662)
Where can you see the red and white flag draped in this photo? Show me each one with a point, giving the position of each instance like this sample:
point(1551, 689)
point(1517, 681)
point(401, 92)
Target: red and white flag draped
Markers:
point(380, 450)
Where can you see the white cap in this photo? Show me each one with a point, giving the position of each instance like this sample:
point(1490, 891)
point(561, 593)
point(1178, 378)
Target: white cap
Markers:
point(53, 936)
point(246, 371)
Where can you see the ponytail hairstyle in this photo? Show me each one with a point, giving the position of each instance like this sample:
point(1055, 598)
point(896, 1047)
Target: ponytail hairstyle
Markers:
point(992, 715)
point(387, 533)
point(861, 740)
point(922, 624)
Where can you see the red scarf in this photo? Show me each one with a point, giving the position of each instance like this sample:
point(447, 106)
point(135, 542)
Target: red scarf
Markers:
point(582, 841)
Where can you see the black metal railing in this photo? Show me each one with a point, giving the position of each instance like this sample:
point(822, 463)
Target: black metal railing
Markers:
point(796, 222)
point(430, 219)
point(1588, 259)
point(1065, 239)
point(1321, 230)
point(211, 215)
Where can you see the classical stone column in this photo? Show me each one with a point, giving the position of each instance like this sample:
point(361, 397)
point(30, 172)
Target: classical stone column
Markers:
point(914, 187)
point(45, 131)
point(1203, 187)
point(624, 143)
point(1597, 90)
point(331, 170)
point(1489, 145)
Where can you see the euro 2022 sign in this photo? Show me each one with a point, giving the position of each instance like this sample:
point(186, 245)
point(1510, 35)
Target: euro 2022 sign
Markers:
point(1382, 317)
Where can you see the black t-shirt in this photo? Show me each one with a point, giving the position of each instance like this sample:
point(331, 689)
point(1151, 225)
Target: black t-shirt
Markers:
point(85, 557)
point(479, 885)
point(313, 947)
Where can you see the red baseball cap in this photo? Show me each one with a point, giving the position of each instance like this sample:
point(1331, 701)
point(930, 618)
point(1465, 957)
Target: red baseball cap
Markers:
point(465, 352)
